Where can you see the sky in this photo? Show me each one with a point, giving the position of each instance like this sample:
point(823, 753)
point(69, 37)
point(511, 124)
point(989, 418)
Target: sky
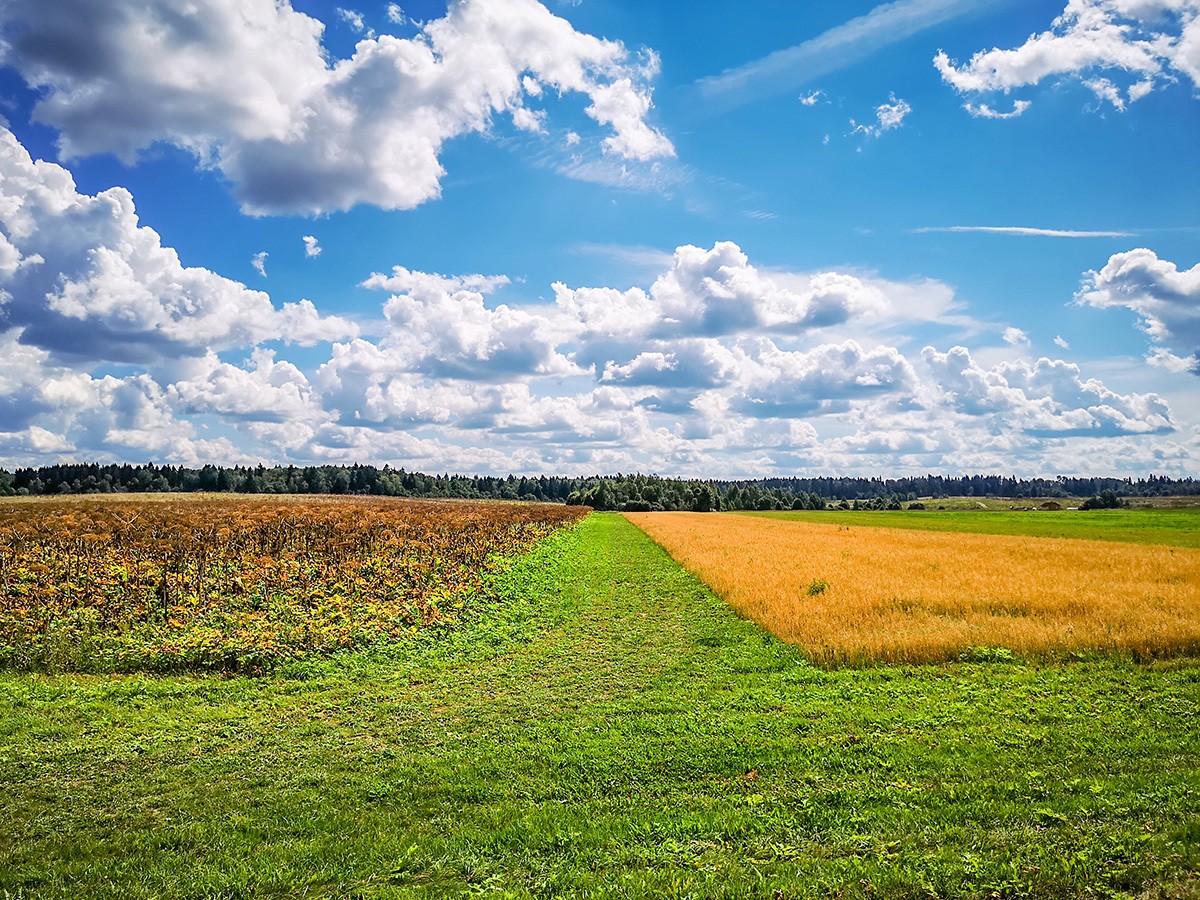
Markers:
point(601, 236)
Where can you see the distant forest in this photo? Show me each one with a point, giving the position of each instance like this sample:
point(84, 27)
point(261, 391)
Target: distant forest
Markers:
point(623, 492)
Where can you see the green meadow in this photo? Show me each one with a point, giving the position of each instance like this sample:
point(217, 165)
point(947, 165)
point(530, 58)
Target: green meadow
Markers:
point(1170, 527)
point(607, 728)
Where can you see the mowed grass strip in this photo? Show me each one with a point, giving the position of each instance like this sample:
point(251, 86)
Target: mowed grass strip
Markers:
point(608, 729)
point(1169, 527)
point(851, 595)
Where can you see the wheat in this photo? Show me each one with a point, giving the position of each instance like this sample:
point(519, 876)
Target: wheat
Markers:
point(910, 596)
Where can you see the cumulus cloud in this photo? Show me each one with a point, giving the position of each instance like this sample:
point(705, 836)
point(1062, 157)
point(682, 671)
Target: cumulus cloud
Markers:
point(311, 247)
point(793, 384)
point(1045, 398)
point(716, 292)
point(1138, 43)
point(711, 365)
point(52, 411)
point(1015, 337)
point(683, 364)
point(246, 85)
point(1166, 299)
point(887, 117)
point(84, 279)
point(259, 262)
point(355, 21)
point(442, 326)
point(395, 14)
point(271, 391)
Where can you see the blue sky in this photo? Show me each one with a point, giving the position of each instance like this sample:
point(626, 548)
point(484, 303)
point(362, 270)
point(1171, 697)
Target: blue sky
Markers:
point(925, 235)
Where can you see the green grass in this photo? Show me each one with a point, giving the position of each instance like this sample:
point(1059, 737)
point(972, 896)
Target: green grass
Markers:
point(610, 729)
point(1172, 527)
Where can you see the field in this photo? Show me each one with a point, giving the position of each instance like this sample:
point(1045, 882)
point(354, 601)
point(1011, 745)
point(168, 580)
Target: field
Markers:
point(240, 583)
point(1172, 527)
point(858, 594)
point(606, 727)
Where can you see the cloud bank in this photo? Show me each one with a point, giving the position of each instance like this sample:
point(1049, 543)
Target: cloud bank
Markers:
point(112, 349)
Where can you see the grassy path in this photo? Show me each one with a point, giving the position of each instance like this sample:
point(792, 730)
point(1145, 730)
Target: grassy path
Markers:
point(612, 730)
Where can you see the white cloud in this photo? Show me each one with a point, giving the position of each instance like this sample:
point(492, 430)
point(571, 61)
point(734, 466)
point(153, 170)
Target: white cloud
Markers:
point(1022, 231)
point(246, 85)
point(718, 292)
point(983, 111)
point(810, 99)
point(840, 46)
point(85, 279)
point(311, 247)
point(1060, 341)
point(395, 14)
point(1142, 43)
point(787, 384)
point(532, 120)
point(270, 391)
point(259, 262)
point(887, 117)
point(355, 21)
point(441, 326)
point(684, 363)
point(1015, 337)
point(703, 363)
point(1046, 398)
point(1166, 298)
point(53, 412)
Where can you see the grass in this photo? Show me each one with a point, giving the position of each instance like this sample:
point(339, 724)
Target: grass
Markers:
point(867, 595)
point(1170, 527)
point(609, 729)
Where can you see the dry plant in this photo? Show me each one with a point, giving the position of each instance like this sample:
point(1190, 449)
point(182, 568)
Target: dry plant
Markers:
point(241, 583)
point(851, 594)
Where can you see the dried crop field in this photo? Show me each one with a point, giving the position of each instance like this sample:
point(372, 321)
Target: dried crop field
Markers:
point(240, 583)
point(851, 594)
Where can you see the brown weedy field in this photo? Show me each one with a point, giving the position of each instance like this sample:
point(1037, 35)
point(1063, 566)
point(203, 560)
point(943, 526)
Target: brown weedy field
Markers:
point(240, 582)
point(853, 594)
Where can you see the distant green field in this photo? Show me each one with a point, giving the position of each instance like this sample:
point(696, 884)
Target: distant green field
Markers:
point(1170, 527)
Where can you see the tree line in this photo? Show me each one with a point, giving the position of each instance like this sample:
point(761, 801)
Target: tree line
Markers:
point(620, 492)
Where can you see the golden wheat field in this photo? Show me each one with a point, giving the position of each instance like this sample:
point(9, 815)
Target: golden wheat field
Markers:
point(851, 594)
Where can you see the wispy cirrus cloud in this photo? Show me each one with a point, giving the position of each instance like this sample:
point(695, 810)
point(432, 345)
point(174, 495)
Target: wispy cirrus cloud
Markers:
point(837, 48)
point(1020, 231)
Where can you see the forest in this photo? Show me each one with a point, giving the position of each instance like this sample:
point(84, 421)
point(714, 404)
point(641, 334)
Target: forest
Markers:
point(630, 493)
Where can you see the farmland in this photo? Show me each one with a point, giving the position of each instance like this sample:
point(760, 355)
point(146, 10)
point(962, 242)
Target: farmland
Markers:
point(239, 583)
point(858, 594)
point(1167, 526)
point(604, 727)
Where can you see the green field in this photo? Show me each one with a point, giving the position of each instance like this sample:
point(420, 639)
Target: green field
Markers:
point(609, 729)
point(1171, 527)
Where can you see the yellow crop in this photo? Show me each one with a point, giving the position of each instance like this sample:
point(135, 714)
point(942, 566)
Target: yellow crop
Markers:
point(850, 594)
